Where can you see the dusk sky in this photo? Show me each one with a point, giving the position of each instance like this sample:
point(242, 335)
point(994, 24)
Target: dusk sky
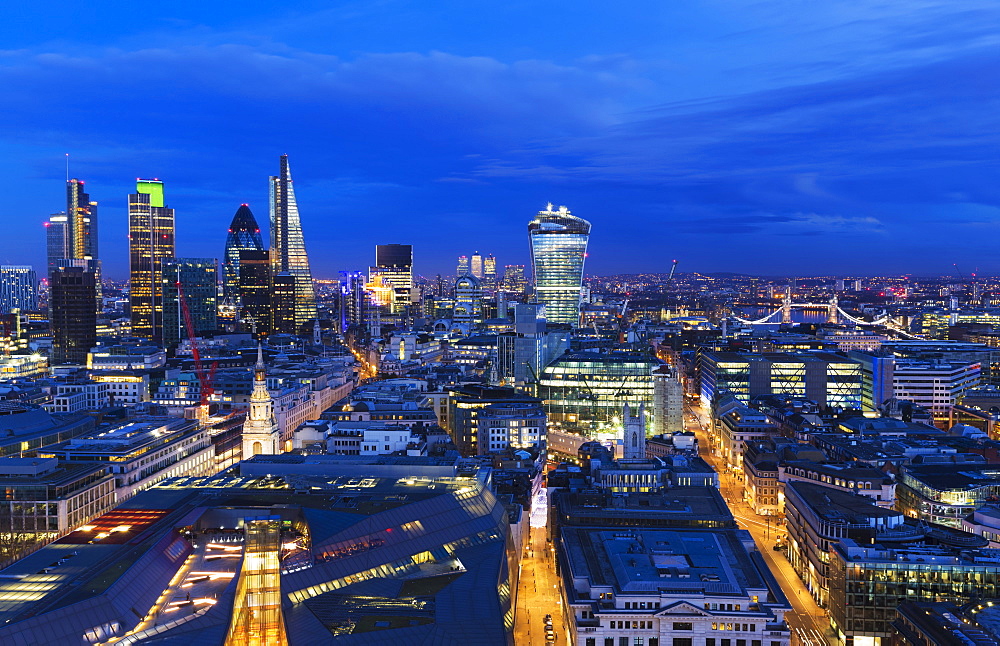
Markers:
point(783, 137)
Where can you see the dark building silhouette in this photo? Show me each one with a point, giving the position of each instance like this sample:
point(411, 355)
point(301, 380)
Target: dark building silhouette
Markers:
point(71, 314)
point(198, 278)
point(255, 291)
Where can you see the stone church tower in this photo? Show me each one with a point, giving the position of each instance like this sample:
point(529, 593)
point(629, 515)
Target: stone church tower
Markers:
point(260, 430)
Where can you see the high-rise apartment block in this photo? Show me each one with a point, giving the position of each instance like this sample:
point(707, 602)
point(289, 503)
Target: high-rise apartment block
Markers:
point(18, 288)
point(72, 316)
point(151, 241)
point(244, 235)
point(191, 283)
point(288, 246)
point(558, 241)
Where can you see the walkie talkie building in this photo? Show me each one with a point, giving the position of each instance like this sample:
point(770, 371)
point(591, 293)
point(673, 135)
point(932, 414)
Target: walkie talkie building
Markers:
point(558, 248)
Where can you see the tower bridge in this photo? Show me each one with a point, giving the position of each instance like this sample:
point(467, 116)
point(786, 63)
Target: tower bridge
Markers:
point(835, 315)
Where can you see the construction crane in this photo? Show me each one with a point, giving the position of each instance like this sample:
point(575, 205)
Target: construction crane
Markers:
point(673, 268)
point(205, 379)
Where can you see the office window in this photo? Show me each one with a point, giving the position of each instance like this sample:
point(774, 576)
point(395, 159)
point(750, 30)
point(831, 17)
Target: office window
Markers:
point(679, 625)
point(591, 641)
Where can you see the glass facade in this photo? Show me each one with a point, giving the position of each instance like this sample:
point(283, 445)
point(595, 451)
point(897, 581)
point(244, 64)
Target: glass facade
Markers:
point(198, 278)
point(151, 240)
point(257, 618)
point(18, 288)
point(585, 391)
point(288, 246)
point(244, 235)
point(558, 242)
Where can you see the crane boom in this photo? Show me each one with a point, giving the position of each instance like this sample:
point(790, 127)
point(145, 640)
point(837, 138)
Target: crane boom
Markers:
point(204, 380)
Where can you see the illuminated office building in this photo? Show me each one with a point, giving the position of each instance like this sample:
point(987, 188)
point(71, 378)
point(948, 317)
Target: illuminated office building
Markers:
point(463, 266)
point(283, 303)
point(394, 266)
point(558, 243)
point(476, 265)
point(151, 240)
point(288, 246)
point(586, 391)
point(198, 281)
point(490, 272)
point(514, 281)
point(56, 240)
point(18, 288)
point(353, 299)
point(244, 235)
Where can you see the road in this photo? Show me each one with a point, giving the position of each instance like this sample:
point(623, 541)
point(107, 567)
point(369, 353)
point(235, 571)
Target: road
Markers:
point(809, 623)
point(538, 593)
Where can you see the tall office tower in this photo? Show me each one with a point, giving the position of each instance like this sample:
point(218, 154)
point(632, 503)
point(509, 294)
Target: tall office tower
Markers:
point(288, 247)
point(255, 292)
point(198, 279)
point(82, 218)
point(514, 281)
point(72, 316)
point(81, 231)
point(468, 301)
point(490, 272)
point(394, 264)
point(353, 300)
point(558, 242)
point(476, 265)
point(18, 288)
point(283, 304)
point(56, 240)
point(150, 241)
point(244, 235)
point(260, 430)
point(463, 266)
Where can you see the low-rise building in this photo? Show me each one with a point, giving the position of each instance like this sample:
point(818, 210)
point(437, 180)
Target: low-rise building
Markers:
point(518, 425)
point(48, 498)
point(868, 582)
point(142, 453)
point(124, 387)
point(663, 588)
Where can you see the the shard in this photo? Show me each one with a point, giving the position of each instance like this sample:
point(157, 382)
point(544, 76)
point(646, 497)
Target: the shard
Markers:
point(288, 247)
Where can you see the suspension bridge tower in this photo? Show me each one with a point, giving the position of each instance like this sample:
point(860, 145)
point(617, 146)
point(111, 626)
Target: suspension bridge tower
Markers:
point(832, 316)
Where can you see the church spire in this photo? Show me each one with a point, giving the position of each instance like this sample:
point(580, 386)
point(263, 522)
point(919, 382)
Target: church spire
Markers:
point(260, 430)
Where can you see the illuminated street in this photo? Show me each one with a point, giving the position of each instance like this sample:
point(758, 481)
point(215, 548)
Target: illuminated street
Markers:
point(808, 621)
point(538, 592)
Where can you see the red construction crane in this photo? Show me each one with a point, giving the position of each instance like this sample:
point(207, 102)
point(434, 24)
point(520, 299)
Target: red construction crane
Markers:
point(205, 380)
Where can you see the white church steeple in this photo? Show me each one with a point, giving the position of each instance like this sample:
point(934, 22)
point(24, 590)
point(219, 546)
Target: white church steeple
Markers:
point(260, 430)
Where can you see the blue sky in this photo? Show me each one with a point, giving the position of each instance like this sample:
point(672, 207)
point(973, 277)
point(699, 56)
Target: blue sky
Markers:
point(779, 137)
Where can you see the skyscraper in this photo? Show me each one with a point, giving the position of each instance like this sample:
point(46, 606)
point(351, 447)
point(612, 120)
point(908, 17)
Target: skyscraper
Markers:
point(394, 265)
point(18, 288)
point(244, 235)
point(476, 265)
point(151, 240)
point(82, 219)
point(56, 240)
point(514, 281)
point(72, 316)
point(288, 247)
point(255, 291)
point(199, 280)
point(490, 272)
point(558, 242)
point(463, 266)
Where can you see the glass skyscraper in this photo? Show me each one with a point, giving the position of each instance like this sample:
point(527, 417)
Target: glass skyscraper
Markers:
point(244, 235)
point(198, 279)
point(288, 247)
point(558, 242)
point(18, 288)
point(150, 241)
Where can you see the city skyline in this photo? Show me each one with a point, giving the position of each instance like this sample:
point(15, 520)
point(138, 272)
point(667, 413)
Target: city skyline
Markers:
point(858, 129)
